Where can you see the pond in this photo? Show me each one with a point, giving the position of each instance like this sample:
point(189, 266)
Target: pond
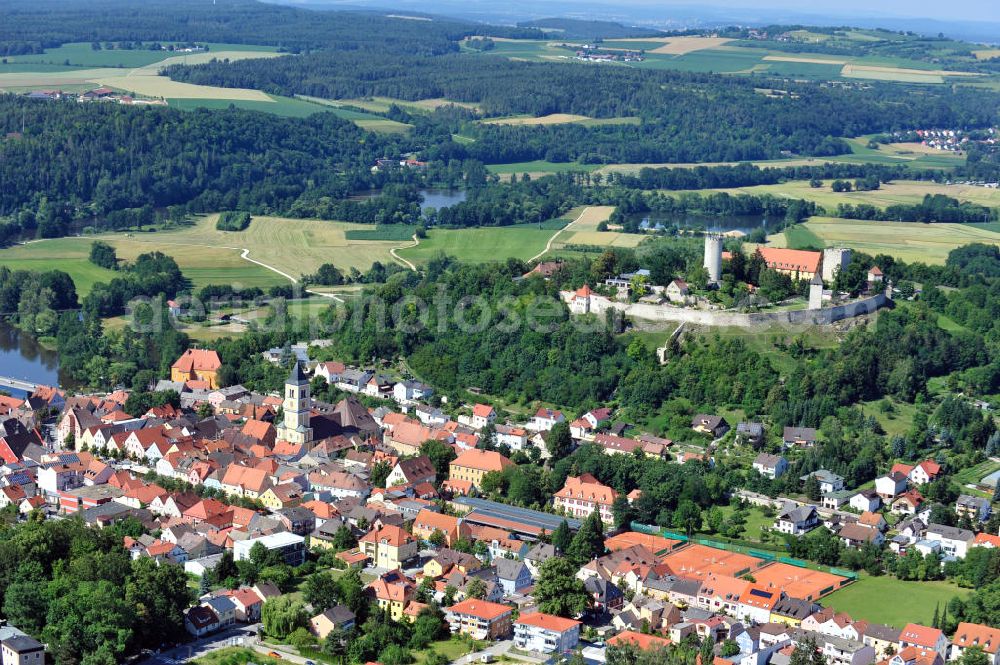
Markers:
point(692, 221)
point(432, 197)
point(22, 357)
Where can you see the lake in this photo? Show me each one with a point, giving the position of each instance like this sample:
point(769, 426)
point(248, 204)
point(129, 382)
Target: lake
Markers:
point(710, 223)
point(22, 357)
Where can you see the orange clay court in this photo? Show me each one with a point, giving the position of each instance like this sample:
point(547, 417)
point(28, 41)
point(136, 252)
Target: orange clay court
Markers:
point(696, 561)
point(798, 582)
point(655, 544)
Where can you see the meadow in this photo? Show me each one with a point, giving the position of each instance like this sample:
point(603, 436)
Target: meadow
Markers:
point(480, 244)
point(583, 231)
point(898, 192)
point(927, 243)
point(286, 247)
point(877, 599)
point(80, 54)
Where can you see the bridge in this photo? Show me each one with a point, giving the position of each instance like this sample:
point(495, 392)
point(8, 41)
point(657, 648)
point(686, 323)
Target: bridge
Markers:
point(17, 384)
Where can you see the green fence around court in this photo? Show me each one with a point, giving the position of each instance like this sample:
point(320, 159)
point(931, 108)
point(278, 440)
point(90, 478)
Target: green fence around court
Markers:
point(793, 562)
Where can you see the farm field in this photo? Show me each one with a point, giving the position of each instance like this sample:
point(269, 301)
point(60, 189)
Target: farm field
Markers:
point(898, 192)
point(363, 120)
point(208, 256)
point(277, 105)
point(584, 231)
point(927, 243)
point(80, 54)
point(383, 104)
point(480, 244)
point(552, 119)
point(539, 168)
point(878, 599)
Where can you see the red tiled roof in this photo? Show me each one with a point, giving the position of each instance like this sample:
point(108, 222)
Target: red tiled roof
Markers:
point(548, 622)
point(481, 609)
point(198, 360)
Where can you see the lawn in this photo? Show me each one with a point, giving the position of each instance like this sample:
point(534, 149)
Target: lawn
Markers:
point(890, 601)
point(235, 656)
point(926, 243)
point(897, 421)
point(453, 649)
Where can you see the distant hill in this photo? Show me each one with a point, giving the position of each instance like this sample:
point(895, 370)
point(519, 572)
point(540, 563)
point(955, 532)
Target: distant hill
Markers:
point(572, 28)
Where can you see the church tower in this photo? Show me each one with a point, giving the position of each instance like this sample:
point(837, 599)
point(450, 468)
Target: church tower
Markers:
point(296, 405)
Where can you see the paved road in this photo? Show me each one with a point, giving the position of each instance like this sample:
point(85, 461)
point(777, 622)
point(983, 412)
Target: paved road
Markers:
point(238, 635)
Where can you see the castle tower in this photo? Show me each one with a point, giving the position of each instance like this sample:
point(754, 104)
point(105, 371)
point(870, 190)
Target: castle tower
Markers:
point(713, 257)
point(835, 259)
point(816, 292)
point(296, 405)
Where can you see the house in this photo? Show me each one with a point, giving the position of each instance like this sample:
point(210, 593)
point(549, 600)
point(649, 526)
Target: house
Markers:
point(480, 619)
point(200, 621)
point(22, 650)
point(873, 520)
point(828, 481)
point(883, 639)
point(975, 635)
point(865, 501)
point(792, 611)
point(513, 575)
point(749, 433)
point(915, 656)
point(890, 486)
point(473, 464)
point(798, 436)
point(770, 466)
point(546, 633)
point(429, 522)
point(335, 618)
point(677, 291)
point(796, 520)
point(976, 507)
point(447, 561)
point(290, 546)
point(483, 415)
point(909, 503)
point(605, 596)
point(954, 541)
point(353, 380)
point(546, 419)
point(857, 535)
point(923, 473)
point(411, 472)
point(409, 391)
point(582, 495)
point(515, 438)
point(796, 263)
point(330, 371)
point(393, 591)
point(197, 365)
point(756, 603)
point(716, 426)
point(874, 275)
point(834, 500)
point(389, 547)
point(923, 637)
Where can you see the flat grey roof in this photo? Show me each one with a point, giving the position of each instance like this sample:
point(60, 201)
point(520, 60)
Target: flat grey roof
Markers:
point(512, 518)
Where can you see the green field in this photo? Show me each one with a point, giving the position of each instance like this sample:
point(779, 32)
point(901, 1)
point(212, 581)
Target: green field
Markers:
point(369, 121)
point(801, 237)
point(890, 601)
point(395, 232)
point(539, 166)
point(926, 243)
point(480, 244)
point(284, 106)
point(208, 256)
point(906, 192)
point(80, 54)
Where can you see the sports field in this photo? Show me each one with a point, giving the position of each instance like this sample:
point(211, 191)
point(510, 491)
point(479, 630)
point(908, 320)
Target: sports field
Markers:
point(292, 247)
point(926, 243)
point(898, 192)
point(890, 601)
point(696, 561)
point(798, 582)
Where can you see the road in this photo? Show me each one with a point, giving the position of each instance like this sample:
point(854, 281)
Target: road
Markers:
point(238, 635)
point(416, 241)
point(548, 245)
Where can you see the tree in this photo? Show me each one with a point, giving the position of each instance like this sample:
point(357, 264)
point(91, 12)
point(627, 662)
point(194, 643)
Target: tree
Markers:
point(562, 537)
point(225, 569)
point(974, 655)
point(440, 455)
point(588, 541)
point(688, 517)
point(380, 471)
point(558, 591)
point(321, 591)
point(476, 588)
point(559, 441)
point(622, 511)
point(158, 596)
point(343, 539)
point(811, 488)
point(281, 615)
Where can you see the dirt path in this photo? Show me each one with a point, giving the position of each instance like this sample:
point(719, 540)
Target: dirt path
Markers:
point(548, 245)
point(408, 264)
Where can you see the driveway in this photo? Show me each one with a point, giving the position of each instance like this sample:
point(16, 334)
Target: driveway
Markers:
point(495, 650)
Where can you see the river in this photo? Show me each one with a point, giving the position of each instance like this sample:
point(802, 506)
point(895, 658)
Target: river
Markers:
point(22, 357)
